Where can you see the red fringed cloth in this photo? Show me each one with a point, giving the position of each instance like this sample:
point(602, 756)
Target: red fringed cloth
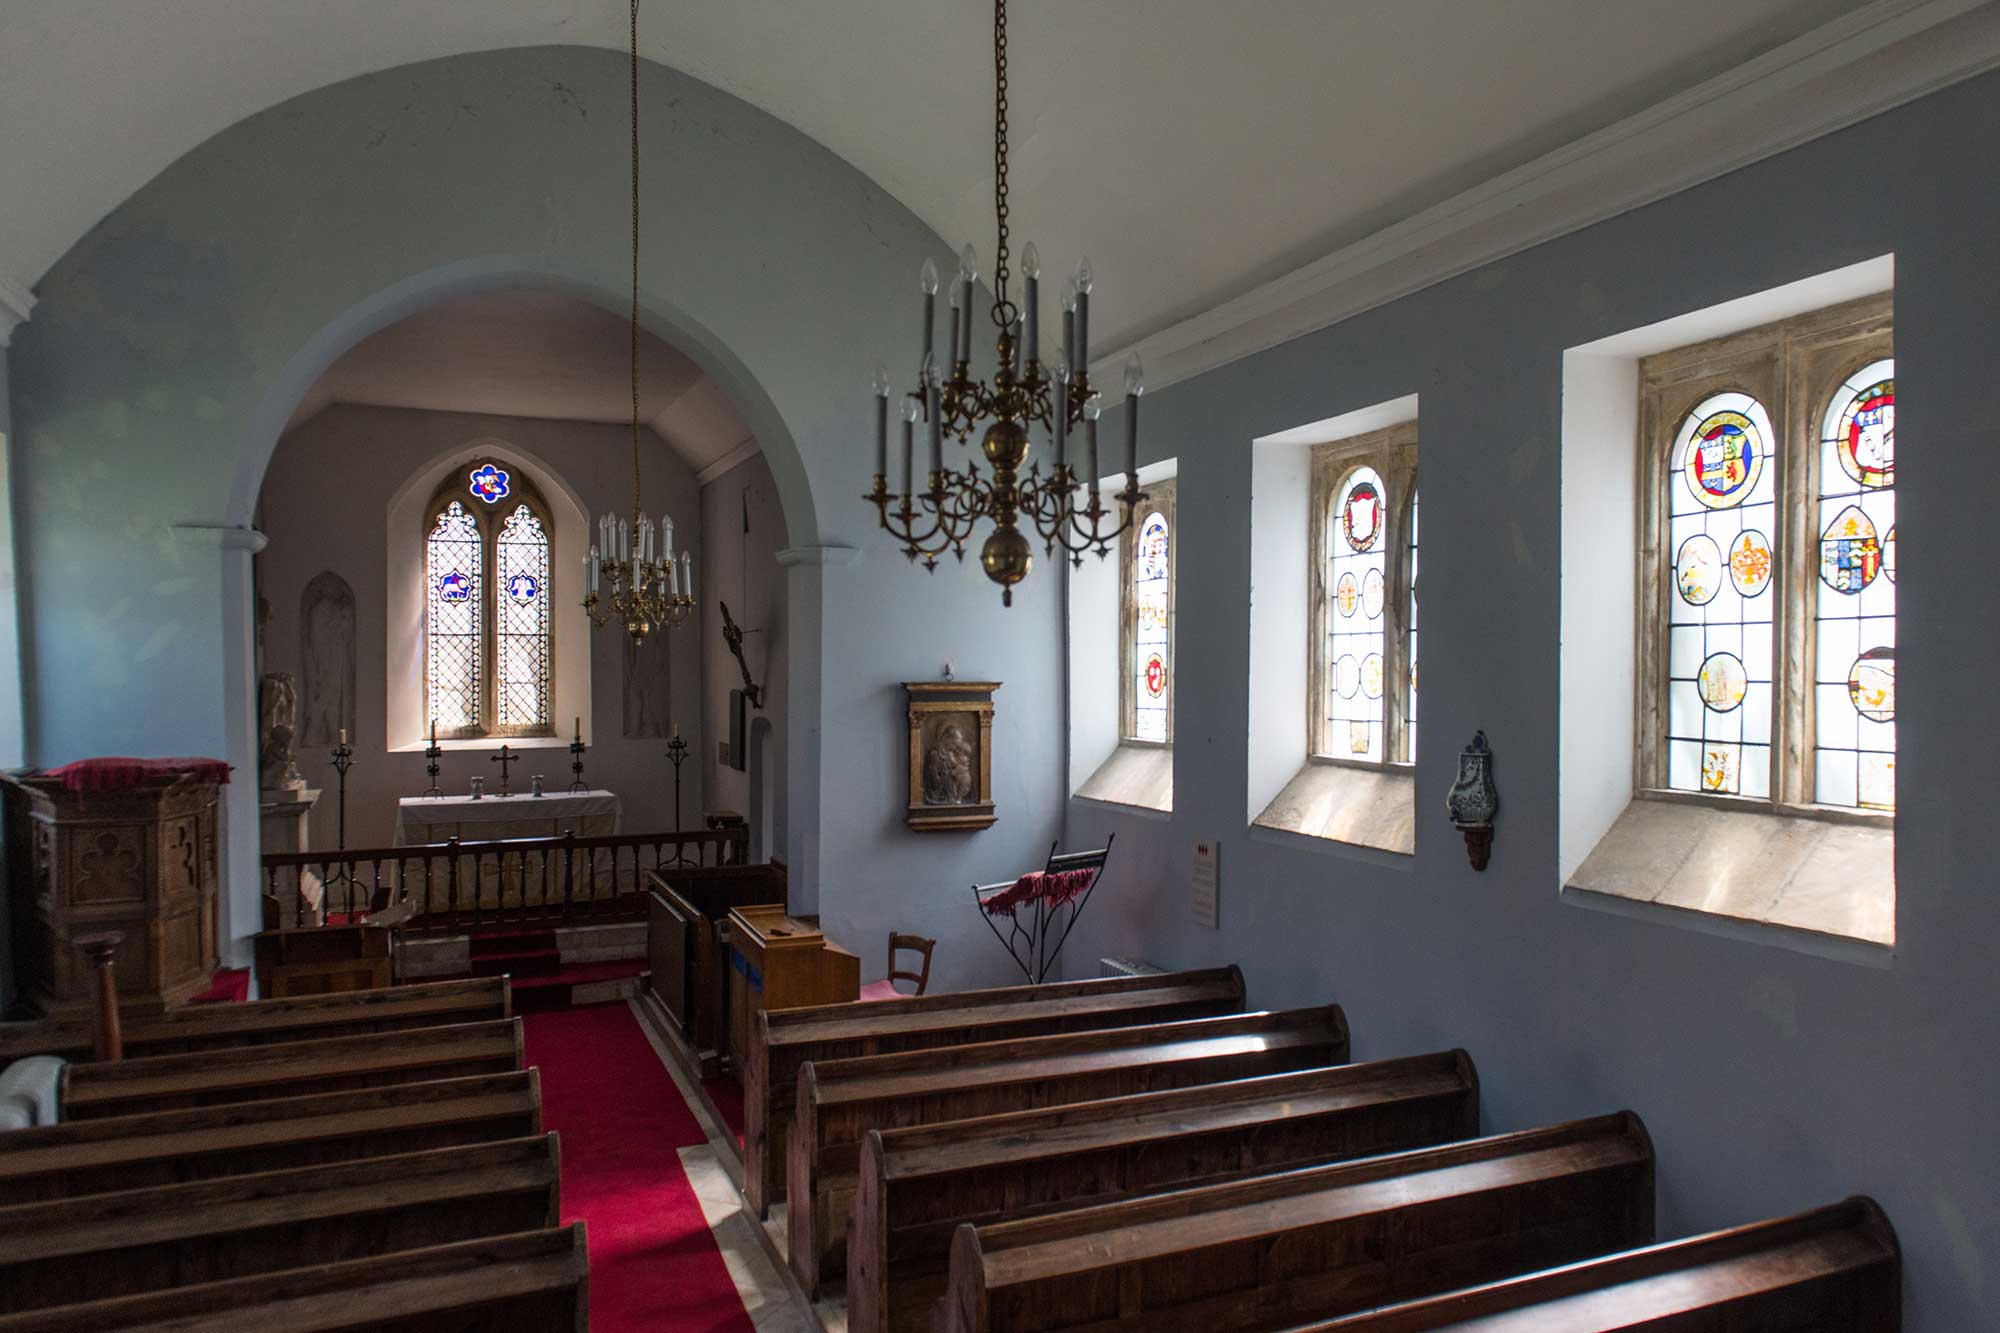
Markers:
point(116, 773)
point(1039, 886)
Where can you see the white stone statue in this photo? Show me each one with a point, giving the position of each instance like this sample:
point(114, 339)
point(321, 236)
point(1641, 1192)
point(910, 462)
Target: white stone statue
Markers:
point(277, 765)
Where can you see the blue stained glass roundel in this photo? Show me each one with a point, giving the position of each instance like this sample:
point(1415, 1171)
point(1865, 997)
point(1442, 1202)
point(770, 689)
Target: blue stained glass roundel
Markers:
point(489, 483)
point(523, 587)
point(455, 586)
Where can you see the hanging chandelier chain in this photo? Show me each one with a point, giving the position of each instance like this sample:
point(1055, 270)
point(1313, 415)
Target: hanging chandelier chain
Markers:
point(635, 259)
point(1000, 160)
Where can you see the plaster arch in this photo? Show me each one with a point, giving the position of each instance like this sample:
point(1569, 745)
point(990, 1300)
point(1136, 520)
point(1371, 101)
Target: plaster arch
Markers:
point(171, 343)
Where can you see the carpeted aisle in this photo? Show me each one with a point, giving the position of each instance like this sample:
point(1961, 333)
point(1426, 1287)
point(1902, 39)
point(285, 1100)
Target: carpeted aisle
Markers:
point(653, 1261)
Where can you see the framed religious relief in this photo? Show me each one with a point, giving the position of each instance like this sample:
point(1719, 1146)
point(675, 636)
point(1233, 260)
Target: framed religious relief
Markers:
point(951, 754)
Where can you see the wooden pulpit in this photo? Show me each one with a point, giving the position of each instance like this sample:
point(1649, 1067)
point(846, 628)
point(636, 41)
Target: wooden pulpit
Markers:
point(779, 961)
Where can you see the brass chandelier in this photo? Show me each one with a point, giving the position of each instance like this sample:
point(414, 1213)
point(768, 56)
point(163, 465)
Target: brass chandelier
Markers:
point(648, 588)
point(1067, 508)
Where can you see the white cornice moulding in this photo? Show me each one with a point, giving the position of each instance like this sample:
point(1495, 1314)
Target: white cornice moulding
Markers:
point(1867, 62)
point(16, 302)
point(729, 462)
point(223, 536)
point(818, 555)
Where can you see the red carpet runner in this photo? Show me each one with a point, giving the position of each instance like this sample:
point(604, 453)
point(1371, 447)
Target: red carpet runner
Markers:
point(653, 1261)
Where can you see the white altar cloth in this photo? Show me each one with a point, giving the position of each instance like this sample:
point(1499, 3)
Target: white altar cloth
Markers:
point(421, 819)
point(529, 878)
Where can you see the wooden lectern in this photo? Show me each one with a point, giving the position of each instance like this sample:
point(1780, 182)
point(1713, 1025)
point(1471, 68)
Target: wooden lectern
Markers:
point(778, 961)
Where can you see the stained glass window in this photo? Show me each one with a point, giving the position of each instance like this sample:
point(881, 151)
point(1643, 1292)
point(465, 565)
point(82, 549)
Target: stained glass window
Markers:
point(1854, 678)
point(521, 622)
point(455, 647)
point(1152, 611)
point(1721, 510)
point(1410, 707)
point(1357, 546)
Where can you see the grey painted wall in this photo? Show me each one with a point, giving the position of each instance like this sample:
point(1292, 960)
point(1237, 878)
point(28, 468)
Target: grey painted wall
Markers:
point(171, 344)
point(1770, 1080)
point(743, 529)
point(370, 454)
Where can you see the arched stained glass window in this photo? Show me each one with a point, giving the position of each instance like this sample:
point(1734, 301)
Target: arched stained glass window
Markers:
point(1152, 612)
point(1357, 544)
point(521, 622)
point(1854, 678)
point(1722, 486)
point(454, 568)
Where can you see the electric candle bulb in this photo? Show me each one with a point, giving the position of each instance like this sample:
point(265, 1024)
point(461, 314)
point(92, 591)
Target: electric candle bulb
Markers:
point(1031, 262)
point(881, 380)
point(911, 411)
point(968, 264)
point(1083, 277)
point(1135, 376)
point(928, 279)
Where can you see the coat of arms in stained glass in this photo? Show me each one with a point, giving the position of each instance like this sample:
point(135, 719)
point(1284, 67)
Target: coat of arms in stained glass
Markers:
point(1850, 552)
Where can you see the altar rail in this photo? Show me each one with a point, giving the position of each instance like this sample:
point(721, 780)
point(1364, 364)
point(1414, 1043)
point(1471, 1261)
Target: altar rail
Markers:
point(459, 883)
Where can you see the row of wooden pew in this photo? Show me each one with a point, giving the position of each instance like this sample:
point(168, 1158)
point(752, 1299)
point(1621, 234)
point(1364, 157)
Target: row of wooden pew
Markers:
point(366, 1160)
point(1140, 1153)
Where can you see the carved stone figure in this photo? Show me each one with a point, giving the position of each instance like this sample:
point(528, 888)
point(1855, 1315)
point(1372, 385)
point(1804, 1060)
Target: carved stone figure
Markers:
point(948, 768)
point(326, 657)
point(277, 764)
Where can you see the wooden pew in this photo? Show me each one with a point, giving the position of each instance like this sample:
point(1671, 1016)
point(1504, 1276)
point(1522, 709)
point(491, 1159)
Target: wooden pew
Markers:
point(531, 1282)
point(302, 1018)
point(201, 1143)
point(785, 1040)
point(841, 1100)
point(1832, 1270)
point(212, 1230)
point(917, 1185)
point(1264, 1252)
point(289, 1069)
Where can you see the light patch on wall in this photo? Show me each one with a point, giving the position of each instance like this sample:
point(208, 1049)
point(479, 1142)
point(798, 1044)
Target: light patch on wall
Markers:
point(1965, 1250)
point(1522, 555)
point(173, 587)
point(115, 420)
point(158, 641)
point(1777, 1001)
point(1521, 464)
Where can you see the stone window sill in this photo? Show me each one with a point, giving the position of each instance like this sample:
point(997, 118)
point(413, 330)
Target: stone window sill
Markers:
point(1347, 803)
point(1825, 877)
point(1141, 776)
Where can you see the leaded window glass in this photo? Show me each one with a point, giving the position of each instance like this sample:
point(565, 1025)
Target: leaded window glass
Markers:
point(489, 622)
point(1722, 507)
point(1358, 576)
point(1854, 681)
point(521, 599)
point(1152, 579)
point(1147, 561)
point(1770, 595)
point(1410, 710)
point(1363, 548)
point(456, 646)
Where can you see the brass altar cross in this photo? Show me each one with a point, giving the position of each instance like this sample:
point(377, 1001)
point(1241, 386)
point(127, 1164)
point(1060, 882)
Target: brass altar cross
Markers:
point(504, 758)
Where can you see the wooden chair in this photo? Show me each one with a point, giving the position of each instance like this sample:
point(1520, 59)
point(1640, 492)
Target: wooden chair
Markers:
point(885, 989)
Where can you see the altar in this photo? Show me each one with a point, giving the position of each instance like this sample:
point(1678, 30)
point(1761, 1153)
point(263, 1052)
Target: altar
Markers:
point(588, 814)
point(422, 820)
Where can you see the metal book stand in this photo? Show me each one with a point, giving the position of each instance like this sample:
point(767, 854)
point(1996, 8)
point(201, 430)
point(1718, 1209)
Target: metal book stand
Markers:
point(1032, 925)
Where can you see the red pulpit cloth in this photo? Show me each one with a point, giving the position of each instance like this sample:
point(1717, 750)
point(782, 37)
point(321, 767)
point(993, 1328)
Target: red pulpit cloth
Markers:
point(115, 773)
point(1054, 889)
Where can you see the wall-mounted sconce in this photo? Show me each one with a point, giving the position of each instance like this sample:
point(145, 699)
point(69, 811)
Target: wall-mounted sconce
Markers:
point(1473, 801)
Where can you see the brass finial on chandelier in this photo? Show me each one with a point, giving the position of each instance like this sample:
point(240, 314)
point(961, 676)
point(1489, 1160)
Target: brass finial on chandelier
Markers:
point(648, 588)
point(1067, 509)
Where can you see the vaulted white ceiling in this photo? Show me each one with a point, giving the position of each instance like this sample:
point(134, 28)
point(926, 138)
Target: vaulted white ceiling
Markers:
point(1193, 148)
point(535, 354)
